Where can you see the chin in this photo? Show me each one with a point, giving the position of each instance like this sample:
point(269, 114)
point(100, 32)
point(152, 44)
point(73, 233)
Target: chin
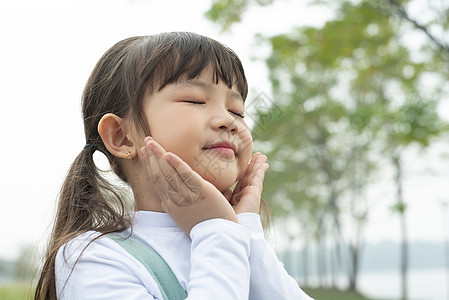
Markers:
point(222, 178)
point(223, 187)
point(222, 183)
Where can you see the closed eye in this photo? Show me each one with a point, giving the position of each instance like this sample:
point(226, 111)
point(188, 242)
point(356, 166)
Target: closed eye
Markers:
point(194, 101)
point(237, 113)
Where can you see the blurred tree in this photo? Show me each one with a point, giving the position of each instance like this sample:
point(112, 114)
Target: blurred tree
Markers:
point(434, 23)
point(25, 266)
point(227, 12)
point(435, 28)
point(388, 73)
point(322, 137)
point(347, 94)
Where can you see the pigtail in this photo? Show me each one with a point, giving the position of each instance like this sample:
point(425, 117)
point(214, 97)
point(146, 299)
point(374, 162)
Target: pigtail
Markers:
point(131, 69)
point(87, 201)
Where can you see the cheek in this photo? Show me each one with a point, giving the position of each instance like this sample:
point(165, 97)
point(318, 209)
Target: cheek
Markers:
point(247, 142)
point(176, 143)
point(245, 155)
point(173, 132)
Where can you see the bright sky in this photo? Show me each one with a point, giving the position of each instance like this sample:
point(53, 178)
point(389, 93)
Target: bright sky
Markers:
point(48, 51)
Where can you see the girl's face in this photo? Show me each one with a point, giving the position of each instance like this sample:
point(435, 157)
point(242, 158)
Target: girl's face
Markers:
point(202, 123)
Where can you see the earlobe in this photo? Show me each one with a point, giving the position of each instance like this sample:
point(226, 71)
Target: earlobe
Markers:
point(114, 134)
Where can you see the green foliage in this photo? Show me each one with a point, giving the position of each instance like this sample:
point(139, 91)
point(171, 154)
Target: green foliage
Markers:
point(227, 12)
point(399, 208)
point(343, 90)
point(348, 97)
point(418, 122)
point(17, 291)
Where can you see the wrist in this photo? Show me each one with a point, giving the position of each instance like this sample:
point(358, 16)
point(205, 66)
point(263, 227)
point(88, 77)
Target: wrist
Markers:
point(251, 221)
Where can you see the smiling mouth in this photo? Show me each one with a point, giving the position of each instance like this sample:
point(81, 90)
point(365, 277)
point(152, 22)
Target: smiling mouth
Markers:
point(227, 149)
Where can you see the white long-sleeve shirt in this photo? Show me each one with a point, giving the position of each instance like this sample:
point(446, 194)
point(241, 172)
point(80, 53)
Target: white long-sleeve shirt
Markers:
point(220, 260)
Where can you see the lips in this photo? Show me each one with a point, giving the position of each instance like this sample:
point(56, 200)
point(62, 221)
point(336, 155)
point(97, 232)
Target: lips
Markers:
point(224, 146)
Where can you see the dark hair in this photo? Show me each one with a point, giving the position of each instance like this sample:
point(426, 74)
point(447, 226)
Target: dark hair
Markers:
point(127, 72)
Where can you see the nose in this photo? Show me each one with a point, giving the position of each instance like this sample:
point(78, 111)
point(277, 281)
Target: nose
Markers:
point(224, 121)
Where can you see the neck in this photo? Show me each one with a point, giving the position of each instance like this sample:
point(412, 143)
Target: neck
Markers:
point(145, 196)
point(146, 199)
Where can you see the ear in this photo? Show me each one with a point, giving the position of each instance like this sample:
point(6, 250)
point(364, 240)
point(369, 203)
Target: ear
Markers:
point(115, 136)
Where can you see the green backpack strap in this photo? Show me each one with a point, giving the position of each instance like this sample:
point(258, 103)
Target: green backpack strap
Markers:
point(168, 284)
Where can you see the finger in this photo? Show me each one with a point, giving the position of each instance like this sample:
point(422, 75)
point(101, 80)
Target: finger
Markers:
point(155, 174)
point(146, 155)
point(259, 171)
point(147, 158)
point(255, 186)
point(247, 191)
point(166, 169)
point(259, 176)
point(188, 176)
point(244, 178)
point(228, 195)
point(143, 152)
point(248, 199)
point(176, 189)
point(236, 199)
point(252, 169)
point(257, 158)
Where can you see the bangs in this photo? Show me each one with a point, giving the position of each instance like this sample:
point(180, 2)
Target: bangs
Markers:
point(173, 57)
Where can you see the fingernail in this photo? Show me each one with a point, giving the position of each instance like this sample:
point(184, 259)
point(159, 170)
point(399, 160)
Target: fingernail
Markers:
point(172, 160)
point(147, 139)
point(144, 154)
point(151, 146)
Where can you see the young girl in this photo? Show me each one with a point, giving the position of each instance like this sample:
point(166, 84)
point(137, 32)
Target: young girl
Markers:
point(167, 111)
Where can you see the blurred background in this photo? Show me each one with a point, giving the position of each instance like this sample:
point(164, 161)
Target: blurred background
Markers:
point(348, 99)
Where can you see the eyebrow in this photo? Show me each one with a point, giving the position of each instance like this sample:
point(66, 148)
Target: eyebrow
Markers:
point(207, 86)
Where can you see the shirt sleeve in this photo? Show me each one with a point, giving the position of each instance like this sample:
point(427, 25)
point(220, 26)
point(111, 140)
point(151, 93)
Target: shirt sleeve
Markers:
point(103, 271)
point(89, 268)
point(268, 278)
point(219, 261)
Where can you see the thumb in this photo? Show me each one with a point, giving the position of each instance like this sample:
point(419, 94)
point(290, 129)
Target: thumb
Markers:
point(228, 195)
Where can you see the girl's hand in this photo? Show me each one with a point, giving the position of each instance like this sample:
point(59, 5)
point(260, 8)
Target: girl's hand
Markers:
point(185, 195)
point(248, 191)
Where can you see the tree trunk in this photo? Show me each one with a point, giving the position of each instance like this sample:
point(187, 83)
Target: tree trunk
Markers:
point(323, 271)
point(305, 263)
point(401, 210)
point(404, 257)
point(354, 268)
point(333, 264)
